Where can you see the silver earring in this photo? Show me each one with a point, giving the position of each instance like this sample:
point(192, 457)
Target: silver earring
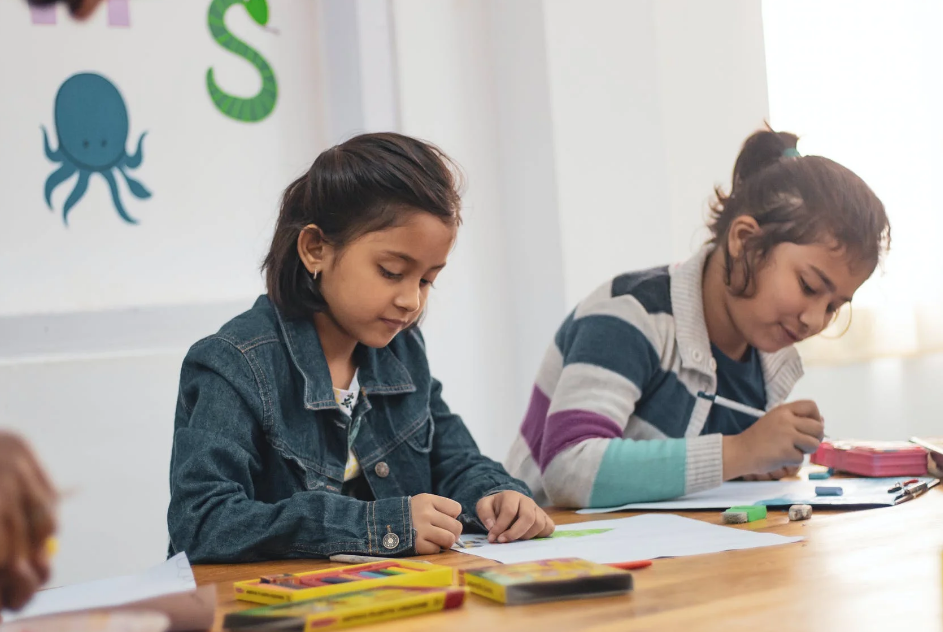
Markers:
point(314, 275)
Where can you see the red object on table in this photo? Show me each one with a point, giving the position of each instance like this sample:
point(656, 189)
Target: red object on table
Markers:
point(631, 566)
point(873, 458)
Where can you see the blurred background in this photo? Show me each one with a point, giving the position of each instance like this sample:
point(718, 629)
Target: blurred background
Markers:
point(591, 134)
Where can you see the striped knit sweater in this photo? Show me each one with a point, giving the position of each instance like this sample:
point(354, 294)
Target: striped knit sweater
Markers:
point(614, 416)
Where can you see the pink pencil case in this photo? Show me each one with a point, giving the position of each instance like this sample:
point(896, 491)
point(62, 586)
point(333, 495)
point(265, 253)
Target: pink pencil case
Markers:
point(873, 458)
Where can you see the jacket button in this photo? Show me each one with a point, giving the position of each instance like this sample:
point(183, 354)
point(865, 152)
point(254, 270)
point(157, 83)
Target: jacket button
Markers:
point(382, 470)
point(697, 355)
point(713, 364)
point(391, 541)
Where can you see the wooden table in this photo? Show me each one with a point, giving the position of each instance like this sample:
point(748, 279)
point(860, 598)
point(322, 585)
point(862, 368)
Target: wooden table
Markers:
point(878, 569)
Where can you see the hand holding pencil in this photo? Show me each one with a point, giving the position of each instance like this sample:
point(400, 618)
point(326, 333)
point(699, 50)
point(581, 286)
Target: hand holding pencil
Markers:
point(776, 443)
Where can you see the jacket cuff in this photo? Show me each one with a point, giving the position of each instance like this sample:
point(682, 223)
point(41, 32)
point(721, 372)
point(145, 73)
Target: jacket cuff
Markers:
point(390, 527)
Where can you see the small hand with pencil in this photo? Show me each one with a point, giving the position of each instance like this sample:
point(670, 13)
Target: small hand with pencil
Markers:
point(775, 445)
point(27, 521)
point(508, 516)
point(511, 516)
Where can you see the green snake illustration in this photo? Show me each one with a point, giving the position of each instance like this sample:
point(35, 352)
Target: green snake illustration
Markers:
point(261, 105)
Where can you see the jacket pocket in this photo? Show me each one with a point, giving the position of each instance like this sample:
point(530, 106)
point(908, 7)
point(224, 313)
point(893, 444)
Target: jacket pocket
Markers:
point(420, 439)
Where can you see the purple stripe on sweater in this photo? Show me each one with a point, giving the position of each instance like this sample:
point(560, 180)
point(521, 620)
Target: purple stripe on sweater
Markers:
point(569, 427)
point(533, 427)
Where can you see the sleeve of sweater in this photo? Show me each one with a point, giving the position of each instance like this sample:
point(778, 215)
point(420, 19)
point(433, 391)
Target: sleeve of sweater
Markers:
point(604, 361)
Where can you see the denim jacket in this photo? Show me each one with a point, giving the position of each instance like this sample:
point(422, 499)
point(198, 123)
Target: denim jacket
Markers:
point(260, 447)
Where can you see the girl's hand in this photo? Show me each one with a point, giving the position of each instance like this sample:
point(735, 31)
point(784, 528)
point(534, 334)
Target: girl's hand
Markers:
point(779, 439)
point(27, 520)
point(434, 519)
point(498, 511)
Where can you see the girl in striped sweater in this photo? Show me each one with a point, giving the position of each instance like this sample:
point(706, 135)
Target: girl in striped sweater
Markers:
point(614, 416)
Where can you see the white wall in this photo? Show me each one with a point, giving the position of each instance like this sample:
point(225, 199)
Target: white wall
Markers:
point(650, 103)
point(891, 399)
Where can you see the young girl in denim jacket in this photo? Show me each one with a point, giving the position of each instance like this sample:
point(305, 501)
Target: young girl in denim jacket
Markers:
point(615, 415)
point(310, 424)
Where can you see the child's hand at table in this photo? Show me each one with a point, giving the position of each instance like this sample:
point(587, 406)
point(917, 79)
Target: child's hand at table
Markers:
point(435, 521)
point(777, 442)
point(511, 516)
point(27, 521)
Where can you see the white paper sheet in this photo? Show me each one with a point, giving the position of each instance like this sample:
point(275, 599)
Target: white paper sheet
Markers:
point(626, 539)
point(857, 492)
point(169, 588)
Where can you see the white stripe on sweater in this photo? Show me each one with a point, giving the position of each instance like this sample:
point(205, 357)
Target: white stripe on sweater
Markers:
point(595, 389)
point(568, 480)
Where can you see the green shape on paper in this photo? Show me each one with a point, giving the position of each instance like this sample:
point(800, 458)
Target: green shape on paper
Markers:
point(576, 533)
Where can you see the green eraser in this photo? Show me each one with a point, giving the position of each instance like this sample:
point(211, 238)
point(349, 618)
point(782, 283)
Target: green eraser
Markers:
point(753, 512)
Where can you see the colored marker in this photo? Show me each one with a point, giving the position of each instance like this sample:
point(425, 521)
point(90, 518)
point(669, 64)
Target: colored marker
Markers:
point(720, 400)
point(732, 405)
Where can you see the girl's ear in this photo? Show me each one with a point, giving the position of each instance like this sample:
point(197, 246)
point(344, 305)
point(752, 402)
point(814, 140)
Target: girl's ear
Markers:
point(313, 248)
point(742, 228)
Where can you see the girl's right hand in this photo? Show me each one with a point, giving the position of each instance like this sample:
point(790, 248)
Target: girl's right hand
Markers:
point(434, 519)
point(780, 438)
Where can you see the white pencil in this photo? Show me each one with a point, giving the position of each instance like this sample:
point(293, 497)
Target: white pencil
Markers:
point(732, 405)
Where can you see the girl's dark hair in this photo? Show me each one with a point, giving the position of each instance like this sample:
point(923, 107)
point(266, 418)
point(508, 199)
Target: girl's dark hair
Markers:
point(371, 182)
point(798, 199)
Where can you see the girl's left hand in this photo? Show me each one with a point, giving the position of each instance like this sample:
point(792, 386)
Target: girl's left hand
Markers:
point(498, 511)
point(775, 475)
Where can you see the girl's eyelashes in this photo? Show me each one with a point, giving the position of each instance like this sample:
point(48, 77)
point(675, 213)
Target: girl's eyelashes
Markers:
point(389, 275)
point(807, 289)
point(396, 276)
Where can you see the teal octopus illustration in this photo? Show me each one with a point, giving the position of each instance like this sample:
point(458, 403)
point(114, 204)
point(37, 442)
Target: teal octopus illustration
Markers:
point(92, 128)
point(248, 110)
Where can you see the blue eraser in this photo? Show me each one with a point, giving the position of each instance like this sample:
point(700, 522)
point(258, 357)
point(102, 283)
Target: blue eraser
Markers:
point(819, 476)
point(828, 491)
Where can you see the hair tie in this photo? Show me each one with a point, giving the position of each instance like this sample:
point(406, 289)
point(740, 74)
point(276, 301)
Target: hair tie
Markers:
point(791, 152)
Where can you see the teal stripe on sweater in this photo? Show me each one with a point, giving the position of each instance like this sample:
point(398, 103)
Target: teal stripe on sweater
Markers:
point(640, 471)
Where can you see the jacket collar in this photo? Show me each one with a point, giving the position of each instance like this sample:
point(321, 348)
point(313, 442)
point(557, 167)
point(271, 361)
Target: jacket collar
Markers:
point(379, 370)
point(781, 370)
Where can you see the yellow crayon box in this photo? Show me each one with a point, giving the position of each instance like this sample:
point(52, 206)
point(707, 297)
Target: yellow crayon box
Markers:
point(347, 609)
point(547, 580)
point(293, 587)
